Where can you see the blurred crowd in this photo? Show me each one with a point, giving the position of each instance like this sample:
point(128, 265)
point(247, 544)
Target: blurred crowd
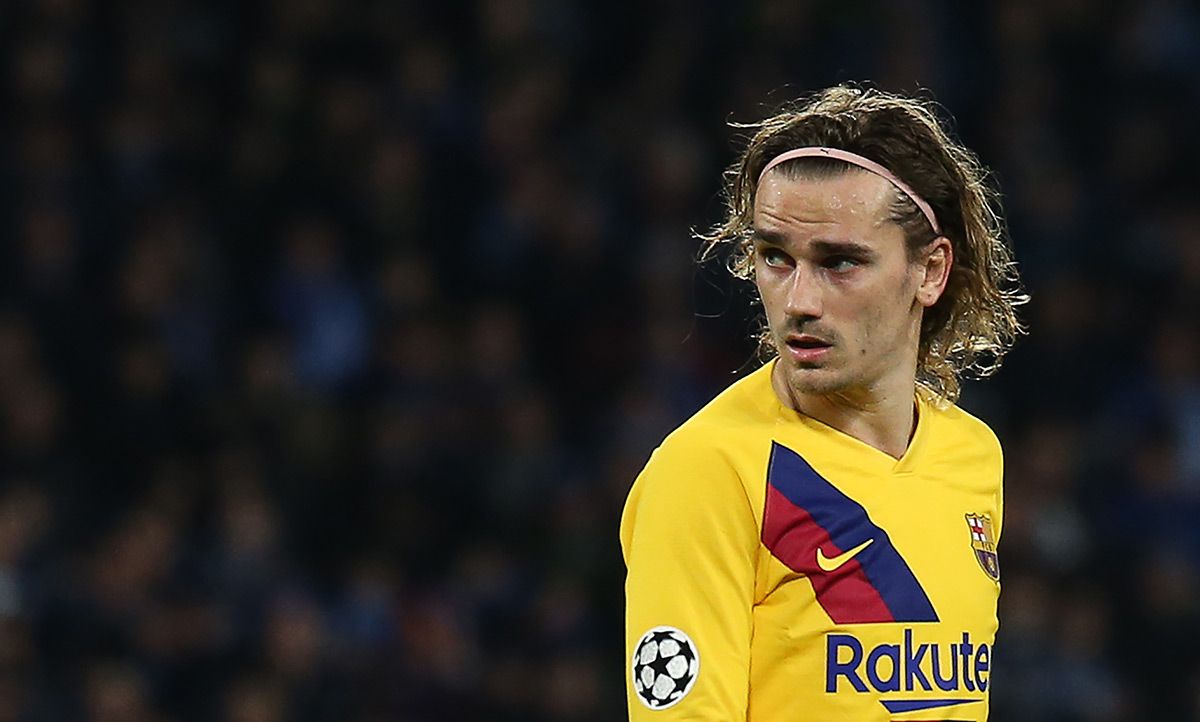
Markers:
point(332, 336)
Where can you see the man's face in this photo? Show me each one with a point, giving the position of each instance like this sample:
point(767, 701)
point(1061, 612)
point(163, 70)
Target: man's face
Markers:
point(842, 299)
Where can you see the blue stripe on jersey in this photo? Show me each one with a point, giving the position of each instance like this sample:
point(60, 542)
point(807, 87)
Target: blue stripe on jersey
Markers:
point(848, 525)
point(897, 706)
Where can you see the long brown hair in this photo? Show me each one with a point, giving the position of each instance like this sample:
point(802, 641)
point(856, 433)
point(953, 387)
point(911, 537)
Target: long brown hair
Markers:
point(974, 323)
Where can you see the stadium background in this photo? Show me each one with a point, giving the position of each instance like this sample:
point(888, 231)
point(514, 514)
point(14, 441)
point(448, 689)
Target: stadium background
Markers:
point(333, 334)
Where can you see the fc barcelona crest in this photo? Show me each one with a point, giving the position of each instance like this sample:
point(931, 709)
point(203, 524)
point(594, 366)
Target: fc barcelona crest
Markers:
point(983, 542)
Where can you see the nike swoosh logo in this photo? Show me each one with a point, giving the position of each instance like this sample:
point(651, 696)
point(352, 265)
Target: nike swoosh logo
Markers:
point(829, 565)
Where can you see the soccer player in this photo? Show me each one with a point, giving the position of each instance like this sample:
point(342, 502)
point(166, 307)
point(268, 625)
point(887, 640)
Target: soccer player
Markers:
point(819, 541)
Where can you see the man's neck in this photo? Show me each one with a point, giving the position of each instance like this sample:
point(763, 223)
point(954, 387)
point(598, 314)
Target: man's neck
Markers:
point(880, 417)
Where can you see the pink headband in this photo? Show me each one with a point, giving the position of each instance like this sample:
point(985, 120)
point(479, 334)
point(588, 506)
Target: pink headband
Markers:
point(861, 162)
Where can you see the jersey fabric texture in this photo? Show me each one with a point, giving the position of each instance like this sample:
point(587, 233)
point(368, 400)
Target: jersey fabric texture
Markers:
point(779, 569)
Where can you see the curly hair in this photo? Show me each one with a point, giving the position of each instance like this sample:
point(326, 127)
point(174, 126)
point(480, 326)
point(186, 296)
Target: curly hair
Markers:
point(974, 323)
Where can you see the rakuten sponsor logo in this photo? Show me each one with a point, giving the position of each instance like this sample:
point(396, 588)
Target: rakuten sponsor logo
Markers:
point(906, 667)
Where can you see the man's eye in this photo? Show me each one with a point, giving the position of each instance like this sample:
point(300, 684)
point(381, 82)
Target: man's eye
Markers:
point(841, 263)
point(774, 257)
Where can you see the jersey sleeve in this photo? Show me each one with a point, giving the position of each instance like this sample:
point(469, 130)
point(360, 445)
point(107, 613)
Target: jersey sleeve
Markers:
point(690, 540)
point(999, 490)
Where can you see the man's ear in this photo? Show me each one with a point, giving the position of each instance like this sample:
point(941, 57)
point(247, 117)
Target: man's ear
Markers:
point(939, 259)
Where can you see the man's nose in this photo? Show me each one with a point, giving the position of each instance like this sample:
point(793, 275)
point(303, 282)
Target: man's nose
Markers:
point(804, 294)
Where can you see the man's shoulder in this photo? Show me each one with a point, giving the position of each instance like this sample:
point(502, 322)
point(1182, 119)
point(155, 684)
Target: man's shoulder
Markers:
point(745, 404)
point(713, 440)
point(701, 464)
point(962, 428)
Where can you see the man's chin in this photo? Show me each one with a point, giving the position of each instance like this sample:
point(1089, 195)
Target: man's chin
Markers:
point(814, 379)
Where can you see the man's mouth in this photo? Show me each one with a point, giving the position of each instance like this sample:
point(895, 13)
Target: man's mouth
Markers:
point(803, 348)
point(807, 342)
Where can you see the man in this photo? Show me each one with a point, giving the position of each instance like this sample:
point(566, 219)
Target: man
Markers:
point(818, 543)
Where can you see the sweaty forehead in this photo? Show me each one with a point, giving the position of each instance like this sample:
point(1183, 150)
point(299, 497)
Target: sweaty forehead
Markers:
point(856, 200)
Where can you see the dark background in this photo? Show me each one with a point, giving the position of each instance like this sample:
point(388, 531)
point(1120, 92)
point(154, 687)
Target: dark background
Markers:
point(332, 335)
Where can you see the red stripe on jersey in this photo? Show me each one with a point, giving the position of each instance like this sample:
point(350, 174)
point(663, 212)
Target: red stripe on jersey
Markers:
point(793, 537)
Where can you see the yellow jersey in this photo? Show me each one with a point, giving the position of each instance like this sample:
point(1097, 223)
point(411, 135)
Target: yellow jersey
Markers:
point(779, 569)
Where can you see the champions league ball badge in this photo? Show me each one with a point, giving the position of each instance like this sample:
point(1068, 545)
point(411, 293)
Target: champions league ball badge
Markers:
point(665, 665)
